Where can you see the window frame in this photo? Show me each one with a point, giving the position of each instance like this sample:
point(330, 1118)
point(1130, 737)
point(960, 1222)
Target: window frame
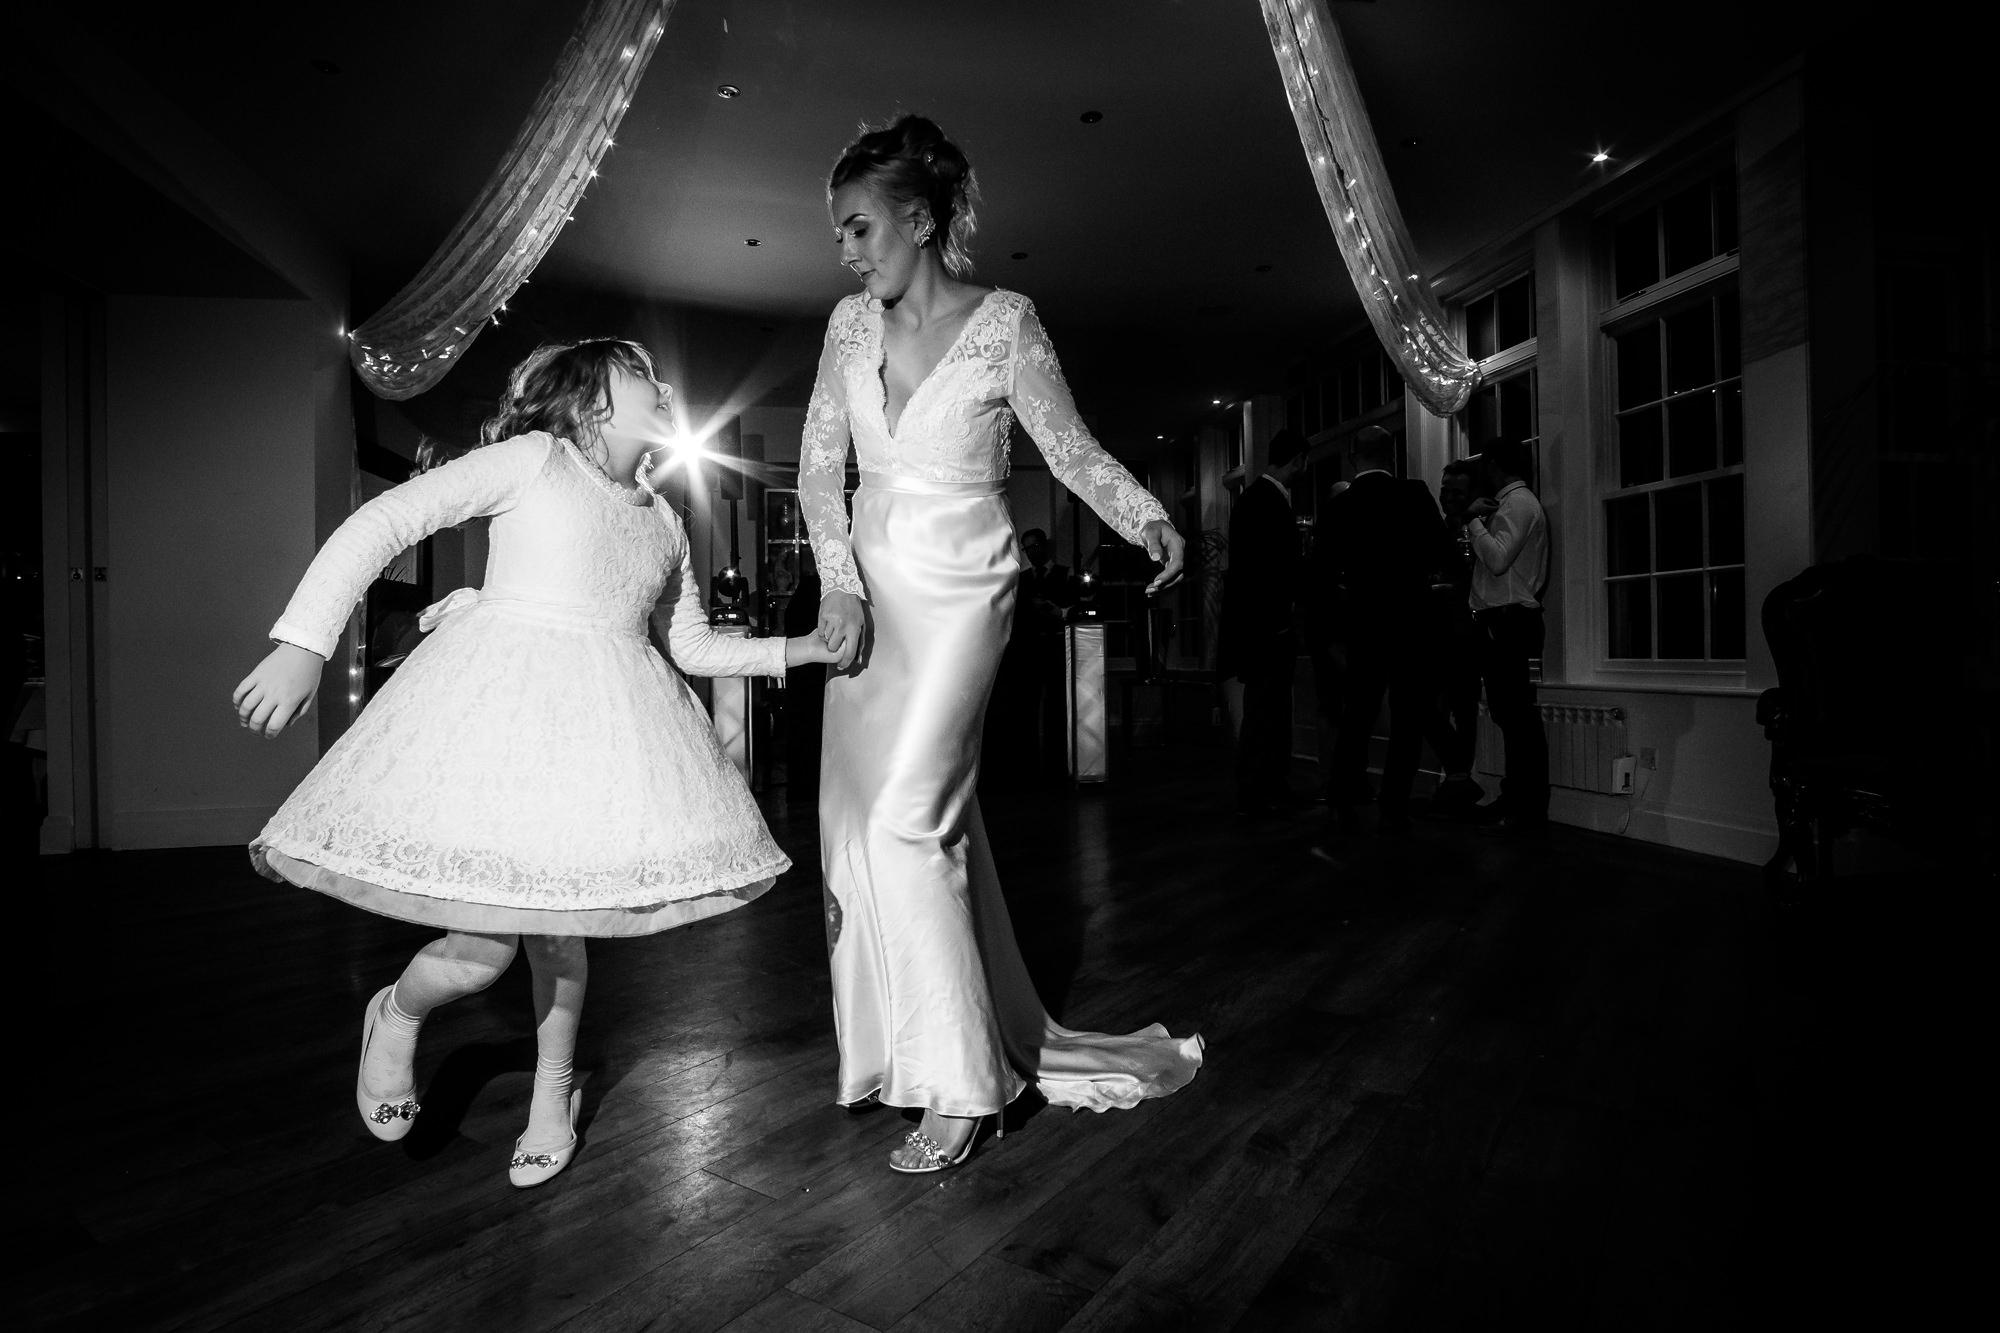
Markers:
point(1701, 282)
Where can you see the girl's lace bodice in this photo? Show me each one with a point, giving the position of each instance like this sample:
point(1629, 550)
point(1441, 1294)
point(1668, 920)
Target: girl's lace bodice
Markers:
point(567, 545)
point(955, 426)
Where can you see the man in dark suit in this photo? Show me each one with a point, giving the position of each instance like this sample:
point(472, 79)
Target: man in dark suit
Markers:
point(1257, 644)
point(1379, 542)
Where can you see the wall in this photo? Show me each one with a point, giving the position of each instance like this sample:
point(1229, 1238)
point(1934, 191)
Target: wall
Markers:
point(213, 429)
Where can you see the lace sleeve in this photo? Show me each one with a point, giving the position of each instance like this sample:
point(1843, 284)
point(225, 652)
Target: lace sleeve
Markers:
point(823, 469)
point(484, 482)
point(1041, 398)
point(698, 649)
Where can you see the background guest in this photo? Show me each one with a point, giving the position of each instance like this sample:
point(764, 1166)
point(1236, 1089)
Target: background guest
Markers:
point(1258, 644)
point(1025, 721)
point(1454, 729)
point(1509, 535)
point(1319, 615)
point(1384, 540)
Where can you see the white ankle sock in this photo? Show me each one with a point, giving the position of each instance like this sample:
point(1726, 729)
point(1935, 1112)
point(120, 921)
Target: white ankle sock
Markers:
point(548, 1108)
point(388, 1070)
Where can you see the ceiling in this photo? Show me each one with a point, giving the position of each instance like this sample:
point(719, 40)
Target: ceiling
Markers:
point(1144, 233)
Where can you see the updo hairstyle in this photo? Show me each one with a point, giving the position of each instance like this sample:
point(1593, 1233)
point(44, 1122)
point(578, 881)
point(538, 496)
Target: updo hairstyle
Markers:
point(911, 162)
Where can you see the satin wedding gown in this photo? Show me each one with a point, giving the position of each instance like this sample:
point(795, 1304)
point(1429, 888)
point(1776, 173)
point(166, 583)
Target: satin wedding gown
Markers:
point(932, 1001)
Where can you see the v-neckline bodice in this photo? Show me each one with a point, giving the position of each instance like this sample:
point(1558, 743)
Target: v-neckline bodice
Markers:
point(882, 361)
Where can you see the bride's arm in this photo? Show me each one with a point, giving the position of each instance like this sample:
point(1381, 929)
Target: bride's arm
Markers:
point(1041, 399)
point(823, 472)
point(823, 499)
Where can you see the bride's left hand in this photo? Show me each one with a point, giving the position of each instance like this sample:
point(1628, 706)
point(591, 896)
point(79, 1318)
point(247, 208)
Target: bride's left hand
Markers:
point(1167, 547)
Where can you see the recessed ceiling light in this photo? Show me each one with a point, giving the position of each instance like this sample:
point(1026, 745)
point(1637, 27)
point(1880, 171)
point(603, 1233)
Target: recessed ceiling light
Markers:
point(1019, 254)
point(1600, 156)
point(752, 241)
point(1216, 401)
point(1412, 141)
point(727, 90)
point(326, 67)
point(1091, 117)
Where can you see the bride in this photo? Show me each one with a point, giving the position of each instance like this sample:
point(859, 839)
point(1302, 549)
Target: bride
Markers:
point(924, 372)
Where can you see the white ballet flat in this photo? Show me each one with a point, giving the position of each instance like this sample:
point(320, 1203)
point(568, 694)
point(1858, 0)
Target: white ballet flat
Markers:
point(529, 1169)
point(930, 1153)
point(391, 1119)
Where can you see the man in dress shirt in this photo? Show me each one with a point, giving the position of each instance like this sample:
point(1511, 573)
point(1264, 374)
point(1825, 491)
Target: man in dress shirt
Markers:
point(1257, 644)
point(1382, 541)
point(1510, 543)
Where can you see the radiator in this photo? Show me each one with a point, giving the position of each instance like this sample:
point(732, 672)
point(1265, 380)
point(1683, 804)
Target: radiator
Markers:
point(1585, 743)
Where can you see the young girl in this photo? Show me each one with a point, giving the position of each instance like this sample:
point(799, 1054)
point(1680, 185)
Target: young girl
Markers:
point(533, 773)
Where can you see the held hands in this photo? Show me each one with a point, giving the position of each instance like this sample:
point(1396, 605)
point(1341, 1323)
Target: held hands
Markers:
point(804, 649)
point(842, 622)
point(1167, 547)
point(280, 691)
point(1481, 507)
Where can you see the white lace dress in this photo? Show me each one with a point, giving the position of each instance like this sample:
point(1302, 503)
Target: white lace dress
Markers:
point(534, 766)
point(932, 1000)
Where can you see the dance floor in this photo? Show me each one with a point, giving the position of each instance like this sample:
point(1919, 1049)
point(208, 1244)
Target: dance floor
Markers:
point(1455, 1083)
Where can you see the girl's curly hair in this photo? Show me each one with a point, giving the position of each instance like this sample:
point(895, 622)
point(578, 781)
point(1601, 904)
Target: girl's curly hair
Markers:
point(565, 389)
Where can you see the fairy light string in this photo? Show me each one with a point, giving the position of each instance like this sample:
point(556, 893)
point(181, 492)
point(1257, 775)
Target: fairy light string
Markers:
point(1354, 188)
point(409, 345)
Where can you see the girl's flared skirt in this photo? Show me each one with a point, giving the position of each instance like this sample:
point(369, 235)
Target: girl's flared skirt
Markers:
point(523, 773)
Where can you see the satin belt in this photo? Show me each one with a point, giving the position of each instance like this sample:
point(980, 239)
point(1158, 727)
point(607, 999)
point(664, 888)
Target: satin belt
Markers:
point(553, 614)
point(883, 481)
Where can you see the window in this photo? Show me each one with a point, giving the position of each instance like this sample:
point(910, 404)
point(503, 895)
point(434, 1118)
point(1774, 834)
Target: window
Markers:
point(1503, 318)
point(1672, 468)
point(1674, 518)
point(1684, 230)
point(1500, 335)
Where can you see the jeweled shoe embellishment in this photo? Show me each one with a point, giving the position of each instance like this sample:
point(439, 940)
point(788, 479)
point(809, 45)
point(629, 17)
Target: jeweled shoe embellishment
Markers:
point(522, 1159)
point(932, 1150)
point(404, 1110)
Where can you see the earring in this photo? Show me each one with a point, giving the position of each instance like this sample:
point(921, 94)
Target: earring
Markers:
point(924, 236)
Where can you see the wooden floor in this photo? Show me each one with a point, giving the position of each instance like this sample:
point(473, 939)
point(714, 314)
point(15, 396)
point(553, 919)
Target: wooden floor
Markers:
point(1455, 1084)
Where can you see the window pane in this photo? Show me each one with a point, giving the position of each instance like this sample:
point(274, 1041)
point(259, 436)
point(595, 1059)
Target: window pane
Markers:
point(1295, 413)
point(1691, 348)
point(1313, 419)
point(1689, 230)
point(1678, 515)
point(1725, 210)
point(1681, 616)
point(1726, 619)
point(1630, 524)
point(1369, 375)
point(1350, 392)
point(1639, 447)
point(1639, 366)
point(1691, 434)
point(1516, 318)
point(1479, 328)
point(1729, 333)
point(1631, 606)
point(1517, 407)
point(1732, 424)
point(1635, 253)
point(1482, 418)
point(1725, 522)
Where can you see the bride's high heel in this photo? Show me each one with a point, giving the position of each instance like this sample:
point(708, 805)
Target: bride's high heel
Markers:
point(386, 1120)
point(928, 1155)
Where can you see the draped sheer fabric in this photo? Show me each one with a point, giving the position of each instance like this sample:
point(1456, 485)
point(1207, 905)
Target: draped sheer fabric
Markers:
point(1354, 188)
point(408, 345)
point(955, 427)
